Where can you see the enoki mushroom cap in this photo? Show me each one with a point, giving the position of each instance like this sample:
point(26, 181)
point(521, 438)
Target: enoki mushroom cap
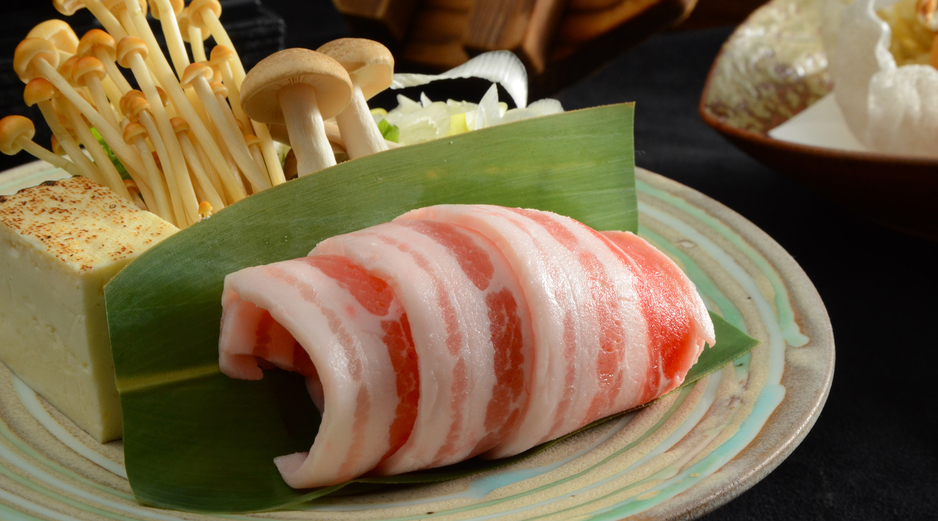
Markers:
point(135, 106)
point(179, 125)
point(133, 131)
point(176, 5)
point(221, 54)
point(26, 54)
point(205, 210)
point(259, 92)
point(58, 32)
point(11, 128)
point(369, 64)
point(94, 39)
point(197, 11)
point(195, 71)
point(183, 21)
point(117, 6)
point(128, 98)
point(129, 46)
point(86, 68)
point(67, 69)
point(218, 88)
point(39, 90)
point(67, 7)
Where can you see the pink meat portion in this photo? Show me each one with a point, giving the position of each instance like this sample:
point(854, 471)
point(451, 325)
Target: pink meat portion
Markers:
point(471, 334)
point(586, 317)
point(677, 332)
point(294, 316)
point(456, 331)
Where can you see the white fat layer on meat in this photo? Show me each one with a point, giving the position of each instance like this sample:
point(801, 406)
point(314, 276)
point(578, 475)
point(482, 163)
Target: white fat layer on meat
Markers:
point(304, 301)
point(634, 362)
point(558, 292)
point(418, 291)
point(533, 269)
point(692, 303)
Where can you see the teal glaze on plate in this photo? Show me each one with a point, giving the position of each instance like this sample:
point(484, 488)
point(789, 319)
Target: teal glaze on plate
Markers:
point(786, 317)
point(705, 286)
point(713, 297)
point(665, 461)
point(769, 399)
point(506, 478)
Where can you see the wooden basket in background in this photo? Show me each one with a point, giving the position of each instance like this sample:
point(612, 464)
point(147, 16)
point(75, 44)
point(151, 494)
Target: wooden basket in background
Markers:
point(560, 41)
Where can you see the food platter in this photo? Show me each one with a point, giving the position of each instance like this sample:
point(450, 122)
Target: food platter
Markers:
point(772, 68)
point(683, 456)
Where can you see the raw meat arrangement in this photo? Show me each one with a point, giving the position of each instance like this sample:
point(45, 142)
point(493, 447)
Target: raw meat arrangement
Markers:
point(456, 331)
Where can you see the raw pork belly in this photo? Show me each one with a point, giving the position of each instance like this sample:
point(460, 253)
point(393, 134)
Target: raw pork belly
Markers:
point(347, 333)
point(455, 331)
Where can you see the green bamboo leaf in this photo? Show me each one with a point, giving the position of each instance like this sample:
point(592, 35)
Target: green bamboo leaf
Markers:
point(197, 440)
point(731, 344)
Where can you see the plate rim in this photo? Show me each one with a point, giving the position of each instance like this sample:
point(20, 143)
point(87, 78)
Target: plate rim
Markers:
point(719, 492)
point(718, 489)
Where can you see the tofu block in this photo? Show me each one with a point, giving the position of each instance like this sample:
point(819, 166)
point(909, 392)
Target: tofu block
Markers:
point(60, 243)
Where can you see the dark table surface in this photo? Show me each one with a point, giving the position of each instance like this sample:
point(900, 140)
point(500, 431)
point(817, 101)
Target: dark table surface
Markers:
point(873, 453)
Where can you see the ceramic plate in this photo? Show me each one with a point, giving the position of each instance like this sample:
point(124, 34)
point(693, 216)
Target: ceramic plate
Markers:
point(773, 67)
point(685, 455)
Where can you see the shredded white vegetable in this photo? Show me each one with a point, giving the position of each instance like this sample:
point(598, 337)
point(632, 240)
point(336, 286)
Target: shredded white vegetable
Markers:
point(420, 121)
point(501, 67)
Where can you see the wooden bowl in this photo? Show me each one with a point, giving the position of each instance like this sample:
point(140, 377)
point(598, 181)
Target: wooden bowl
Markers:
point(773, 67)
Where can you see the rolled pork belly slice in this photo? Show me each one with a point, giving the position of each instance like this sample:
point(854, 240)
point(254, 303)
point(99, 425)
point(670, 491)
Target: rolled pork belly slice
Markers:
point(678, 331)
point(455, 331)
point(471, 328)
point(595, 354)
point(326, 313)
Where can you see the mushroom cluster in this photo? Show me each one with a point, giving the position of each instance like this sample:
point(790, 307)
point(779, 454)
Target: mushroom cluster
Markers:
point(182, 139)
point(194, 138)
point(296, 90)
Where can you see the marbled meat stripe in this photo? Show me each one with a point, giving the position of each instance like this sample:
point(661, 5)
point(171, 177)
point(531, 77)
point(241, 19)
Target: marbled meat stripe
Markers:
point(337, 332)
point(678, 324)
point(447, 322)
point(542, 288)
point(584, 320)
point(375, 296)
point(509, 322)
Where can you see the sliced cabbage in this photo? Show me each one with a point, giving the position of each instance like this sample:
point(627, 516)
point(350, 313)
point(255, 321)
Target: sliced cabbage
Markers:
point(423, 120)
point(420, 121)
point(501, 67)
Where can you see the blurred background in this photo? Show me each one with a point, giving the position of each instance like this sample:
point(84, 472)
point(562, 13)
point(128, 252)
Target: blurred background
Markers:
point(560, 42)
point(873, 454)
